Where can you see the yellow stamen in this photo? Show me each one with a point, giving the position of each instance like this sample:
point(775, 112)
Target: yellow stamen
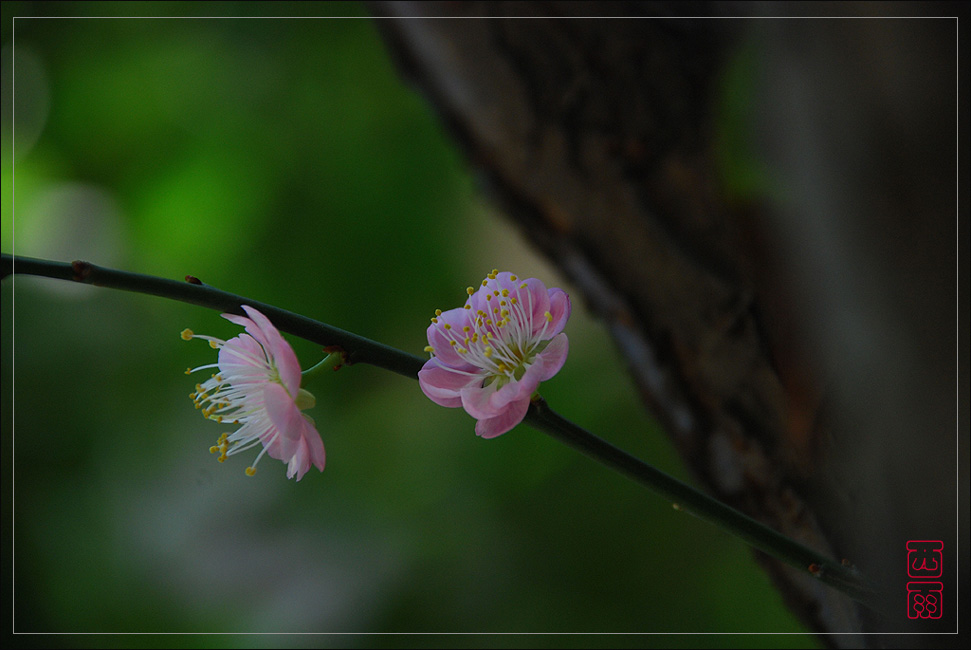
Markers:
point(250, 471)
point(187, 334)
point(470, 291)
point(213, 345)
point(549, 317)
point(429, 348)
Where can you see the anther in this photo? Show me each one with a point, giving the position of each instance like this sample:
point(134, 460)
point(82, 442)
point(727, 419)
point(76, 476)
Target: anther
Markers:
point(187, 334)
point(250, 471)
point(429, 348)
point(469, 290)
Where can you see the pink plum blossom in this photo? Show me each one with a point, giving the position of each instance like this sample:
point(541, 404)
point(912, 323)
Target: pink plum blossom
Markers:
point(258, 386)
point(490, 355)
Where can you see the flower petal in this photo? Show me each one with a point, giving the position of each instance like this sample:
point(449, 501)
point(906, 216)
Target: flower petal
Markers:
point(509, 418)
point(442, 383)
point(554, 356)
point(536, 297)
point(279, 353)
point(309, 449)
point(560, 309)
point(440, 338)
point(242, 358)
point(488, 401)
point(282, 411)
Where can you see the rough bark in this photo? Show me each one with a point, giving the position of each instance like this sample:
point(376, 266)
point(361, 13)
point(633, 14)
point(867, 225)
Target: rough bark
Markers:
point(599, 138)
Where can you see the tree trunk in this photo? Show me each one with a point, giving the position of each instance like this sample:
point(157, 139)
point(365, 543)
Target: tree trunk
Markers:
point(799, 351)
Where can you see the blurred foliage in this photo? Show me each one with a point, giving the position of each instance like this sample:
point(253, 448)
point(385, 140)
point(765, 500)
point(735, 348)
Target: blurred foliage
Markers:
point(285, 160)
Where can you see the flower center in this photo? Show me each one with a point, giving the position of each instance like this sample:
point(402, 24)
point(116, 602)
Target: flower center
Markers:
point(500, 336)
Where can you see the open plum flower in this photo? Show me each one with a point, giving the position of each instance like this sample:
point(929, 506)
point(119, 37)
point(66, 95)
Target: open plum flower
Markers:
point(490, 355)
point(258, 386)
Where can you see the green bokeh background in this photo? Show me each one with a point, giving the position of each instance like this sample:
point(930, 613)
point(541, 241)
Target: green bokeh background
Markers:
point(285, 160)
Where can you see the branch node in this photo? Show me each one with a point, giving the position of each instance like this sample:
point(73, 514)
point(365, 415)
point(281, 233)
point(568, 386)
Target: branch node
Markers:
point(82, 270)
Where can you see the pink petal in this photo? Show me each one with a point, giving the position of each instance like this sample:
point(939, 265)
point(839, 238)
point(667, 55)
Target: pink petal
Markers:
point(297, 442)
point(553, 357)
point(316, 444)
point(279, 352)
point(488, 402)
point(282, 411)
point(277, 445)
point(535, 295)
point(437, 338)
point(441, 383)
point(509, 418)
point(242, 357)
point(560, 309)
point(299, 463)
point(309, 449)
point(476, 401)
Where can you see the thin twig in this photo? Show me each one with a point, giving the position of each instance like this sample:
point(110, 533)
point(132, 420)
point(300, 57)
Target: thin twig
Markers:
point(362, 350)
